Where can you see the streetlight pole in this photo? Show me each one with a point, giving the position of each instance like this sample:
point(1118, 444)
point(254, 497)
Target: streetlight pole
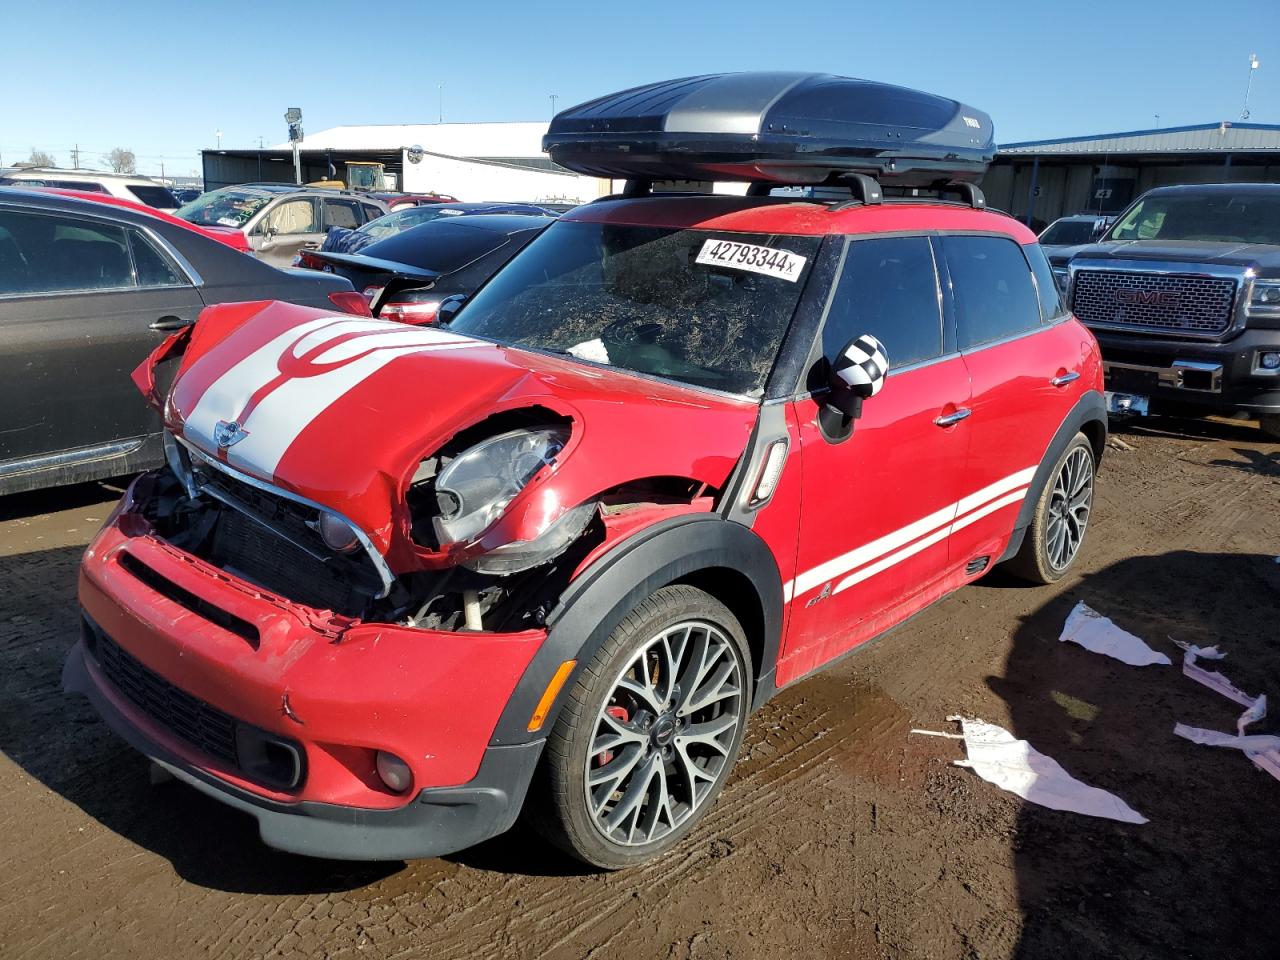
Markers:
point(554, 98)
point(440, 115)
point(218, 134)
point(1253, 65)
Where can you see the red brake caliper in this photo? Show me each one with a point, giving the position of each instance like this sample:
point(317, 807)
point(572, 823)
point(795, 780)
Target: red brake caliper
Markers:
point(618, 713)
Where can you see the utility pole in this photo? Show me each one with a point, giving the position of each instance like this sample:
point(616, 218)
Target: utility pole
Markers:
point(162, 170)
point(218, 134)
point(440, 115)
point(1157, 121)
point(1253, 65)
point(75, 158)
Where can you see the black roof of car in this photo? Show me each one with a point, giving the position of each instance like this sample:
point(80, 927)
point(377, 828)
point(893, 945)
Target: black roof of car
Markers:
point(1236, 188)
point(493, 222)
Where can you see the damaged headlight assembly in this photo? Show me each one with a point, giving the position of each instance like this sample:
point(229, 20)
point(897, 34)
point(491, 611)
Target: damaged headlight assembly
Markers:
point(476, 486)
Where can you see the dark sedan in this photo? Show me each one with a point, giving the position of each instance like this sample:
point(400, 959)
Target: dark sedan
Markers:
point(407, 275)
point(340, 240)
point(86, 292)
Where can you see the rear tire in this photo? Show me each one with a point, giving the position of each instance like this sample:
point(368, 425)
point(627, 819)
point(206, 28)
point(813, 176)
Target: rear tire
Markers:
point(1052, 541)
point(1270, 425)
point(648, 733)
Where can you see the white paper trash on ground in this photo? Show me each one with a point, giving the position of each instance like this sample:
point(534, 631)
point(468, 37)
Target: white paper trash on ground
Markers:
point(1211, 678)
point(999, 757)
point(1095, 632)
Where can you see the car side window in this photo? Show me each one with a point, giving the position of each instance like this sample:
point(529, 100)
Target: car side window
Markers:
point(153, 268)
point(341, 213)
point(292, 216)
point(371, 212)
point(888, 288)
point(1051, 305)
point(992, 289)
point(40, 253)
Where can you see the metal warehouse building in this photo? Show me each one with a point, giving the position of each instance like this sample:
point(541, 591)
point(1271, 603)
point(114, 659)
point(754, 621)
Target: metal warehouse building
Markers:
point(471, 161)
point(1042, 180)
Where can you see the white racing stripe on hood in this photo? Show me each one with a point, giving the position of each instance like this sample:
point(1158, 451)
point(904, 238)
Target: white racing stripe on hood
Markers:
point(225, 397)
point(283, 414)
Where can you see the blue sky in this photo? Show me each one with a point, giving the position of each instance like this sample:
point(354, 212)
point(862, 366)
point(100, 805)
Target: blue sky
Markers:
point(160, 78)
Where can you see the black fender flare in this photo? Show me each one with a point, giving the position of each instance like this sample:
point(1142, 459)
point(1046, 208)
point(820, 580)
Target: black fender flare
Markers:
point(596, 601)
point(1090, 408)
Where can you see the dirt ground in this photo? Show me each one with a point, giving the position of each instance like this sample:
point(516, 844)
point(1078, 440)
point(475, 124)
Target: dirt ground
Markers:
point(840, 835)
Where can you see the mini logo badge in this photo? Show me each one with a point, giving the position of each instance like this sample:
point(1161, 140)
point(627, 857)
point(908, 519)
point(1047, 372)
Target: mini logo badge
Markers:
point(227, 433)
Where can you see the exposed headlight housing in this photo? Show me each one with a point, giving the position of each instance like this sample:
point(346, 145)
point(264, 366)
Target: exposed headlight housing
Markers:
point(527, 554)
point(476, 486)
point(338, 535)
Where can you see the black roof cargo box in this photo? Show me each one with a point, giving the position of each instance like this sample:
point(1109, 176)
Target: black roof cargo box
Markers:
point(794, 128)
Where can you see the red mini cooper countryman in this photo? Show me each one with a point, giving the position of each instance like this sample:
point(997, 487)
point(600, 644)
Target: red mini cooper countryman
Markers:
point(397, 583)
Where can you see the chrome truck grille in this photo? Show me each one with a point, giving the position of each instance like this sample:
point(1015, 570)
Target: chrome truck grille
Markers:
point(1159, 302)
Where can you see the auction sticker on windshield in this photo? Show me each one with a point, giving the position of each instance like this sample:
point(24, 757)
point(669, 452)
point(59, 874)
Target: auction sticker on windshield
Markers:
point(770, 261)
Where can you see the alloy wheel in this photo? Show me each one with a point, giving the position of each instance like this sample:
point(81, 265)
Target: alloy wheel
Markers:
point(1069, 507)
point(664, 736)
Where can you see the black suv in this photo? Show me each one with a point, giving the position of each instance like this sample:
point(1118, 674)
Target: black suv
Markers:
point(1183, 293)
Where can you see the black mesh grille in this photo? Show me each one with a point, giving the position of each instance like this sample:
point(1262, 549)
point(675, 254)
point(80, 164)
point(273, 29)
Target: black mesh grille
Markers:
point(245, 547)
point(1161, 302)
point(267, 539)
point(259, 756)
point(201, 725)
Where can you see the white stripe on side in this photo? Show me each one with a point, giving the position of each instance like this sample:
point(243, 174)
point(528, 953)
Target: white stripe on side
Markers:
point(884, 552)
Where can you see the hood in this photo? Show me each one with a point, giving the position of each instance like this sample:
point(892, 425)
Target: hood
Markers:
point(342, 410)
point(1260, 256)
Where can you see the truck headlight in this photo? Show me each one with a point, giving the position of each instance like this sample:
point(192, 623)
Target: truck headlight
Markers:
point(478, 484)
point(1264, 298)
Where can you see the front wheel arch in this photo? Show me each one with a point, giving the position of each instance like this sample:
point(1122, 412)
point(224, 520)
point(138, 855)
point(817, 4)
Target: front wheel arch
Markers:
point(701, 550)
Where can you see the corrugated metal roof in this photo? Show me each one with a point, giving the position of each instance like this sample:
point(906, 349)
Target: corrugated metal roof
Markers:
point(1225, 137)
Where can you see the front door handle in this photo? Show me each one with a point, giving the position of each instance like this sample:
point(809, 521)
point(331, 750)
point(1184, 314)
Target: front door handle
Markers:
point(1063, 379)
point(170, 323)
point(950, 419)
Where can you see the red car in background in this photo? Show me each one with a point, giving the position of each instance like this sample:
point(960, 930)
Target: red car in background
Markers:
point(681, 451)
point(231, 237)
point(399, 201)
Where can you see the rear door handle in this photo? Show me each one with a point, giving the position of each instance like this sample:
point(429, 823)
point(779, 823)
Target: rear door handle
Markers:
point(1066, 378)
point(949, 419)
point(171, 323)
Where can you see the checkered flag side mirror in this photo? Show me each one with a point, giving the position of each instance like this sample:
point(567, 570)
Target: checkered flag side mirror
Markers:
point(862, 366)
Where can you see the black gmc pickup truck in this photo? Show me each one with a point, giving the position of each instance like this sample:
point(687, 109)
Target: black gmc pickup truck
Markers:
point(1183, 293)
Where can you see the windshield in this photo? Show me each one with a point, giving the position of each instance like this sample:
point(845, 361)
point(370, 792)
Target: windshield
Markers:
point(223, 208)
point(400, 220)
point(1066, 233)
point(708, 308)
point(1221, 215)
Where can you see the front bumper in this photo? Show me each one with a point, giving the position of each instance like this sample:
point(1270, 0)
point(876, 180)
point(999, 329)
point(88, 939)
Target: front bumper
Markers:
point(1213, 376)
point(440, 820)
point(335, 692)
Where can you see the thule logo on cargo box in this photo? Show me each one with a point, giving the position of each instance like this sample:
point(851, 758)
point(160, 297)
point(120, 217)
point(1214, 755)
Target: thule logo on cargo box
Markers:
point(1166, 298)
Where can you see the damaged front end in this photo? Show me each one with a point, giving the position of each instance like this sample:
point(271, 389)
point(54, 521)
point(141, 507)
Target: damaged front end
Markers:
point(487, 555)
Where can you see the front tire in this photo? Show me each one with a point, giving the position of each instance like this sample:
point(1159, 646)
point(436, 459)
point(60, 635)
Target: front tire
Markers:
point(1053, 540)
point(649, 732)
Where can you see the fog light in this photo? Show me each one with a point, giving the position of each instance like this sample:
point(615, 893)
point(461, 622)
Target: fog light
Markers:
point(394, 771)
point(1269, 361)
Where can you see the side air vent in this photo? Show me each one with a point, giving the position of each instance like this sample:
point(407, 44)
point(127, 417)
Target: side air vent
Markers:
point(977, 565)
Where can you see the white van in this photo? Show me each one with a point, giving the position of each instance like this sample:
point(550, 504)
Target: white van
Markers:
point(126, 186)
